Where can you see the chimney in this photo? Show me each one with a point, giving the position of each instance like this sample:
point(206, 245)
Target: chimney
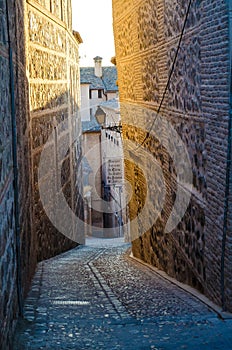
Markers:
point(98, 66)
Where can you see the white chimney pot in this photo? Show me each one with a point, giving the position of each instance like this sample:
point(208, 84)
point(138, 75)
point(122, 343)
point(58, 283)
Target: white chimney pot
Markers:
point(98, 66)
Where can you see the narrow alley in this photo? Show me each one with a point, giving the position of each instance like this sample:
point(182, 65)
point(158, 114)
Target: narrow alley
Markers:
point(115, 120)
point(97, 297)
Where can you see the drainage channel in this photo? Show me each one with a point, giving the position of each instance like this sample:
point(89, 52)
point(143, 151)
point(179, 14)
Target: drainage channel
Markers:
point(117, 306)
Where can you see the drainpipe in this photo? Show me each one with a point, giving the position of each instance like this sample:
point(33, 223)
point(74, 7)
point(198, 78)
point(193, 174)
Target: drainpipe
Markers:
point(105, 94)
point(15, 166)
point(228, 170)
point(104, 90)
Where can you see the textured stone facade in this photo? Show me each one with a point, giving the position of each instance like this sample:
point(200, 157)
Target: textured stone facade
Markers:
point(17, 247)
point(53, 72)
point(39, 88)
point(197, 106)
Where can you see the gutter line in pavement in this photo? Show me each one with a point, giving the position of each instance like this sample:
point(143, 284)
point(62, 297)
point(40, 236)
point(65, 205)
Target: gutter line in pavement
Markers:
point(195, 293)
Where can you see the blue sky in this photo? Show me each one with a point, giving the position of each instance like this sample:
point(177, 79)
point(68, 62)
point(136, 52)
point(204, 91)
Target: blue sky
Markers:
point(93, 20)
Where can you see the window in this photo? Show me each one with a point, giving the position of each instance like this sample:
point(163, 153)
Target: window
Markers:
point(99, 93)
point(90, 94)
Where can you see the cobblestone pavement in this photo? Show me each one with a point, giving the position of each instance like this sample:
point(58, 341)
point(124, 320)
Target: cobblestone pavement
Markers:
point(96, 297)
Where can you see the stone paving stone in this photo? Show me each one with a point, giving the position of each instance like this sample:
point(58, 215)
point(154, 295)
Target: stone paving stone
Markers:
point(95, 297)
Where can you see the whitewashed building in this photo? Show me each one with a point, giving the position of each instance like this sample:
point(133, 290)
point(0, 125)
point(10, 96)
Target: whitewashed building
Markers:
point(113, 179)
point(98, 85)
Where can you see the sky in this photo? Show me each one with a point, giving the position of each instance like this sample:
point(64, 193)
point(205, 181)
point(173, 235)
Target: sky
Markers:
point(93, 20)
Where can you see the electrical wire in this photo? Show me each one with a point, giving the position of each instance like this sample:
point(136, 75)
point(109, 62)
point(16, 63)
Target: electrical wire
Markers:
point(170, 75)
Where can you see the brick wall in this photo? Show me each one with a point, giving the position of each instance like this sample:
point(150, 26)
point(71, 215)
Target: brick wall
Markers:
point(228, 203)
point(197, 106)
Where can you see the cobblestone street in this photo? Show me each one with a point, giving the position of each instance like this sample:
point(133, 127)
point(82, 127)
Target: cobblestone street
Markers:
point(97, 297)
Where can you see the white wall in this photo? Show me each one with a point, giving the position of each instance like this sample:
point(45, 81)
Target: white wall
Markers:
point(111, 95)
point(95, 101)
point(112, 148)
point(88, 105)
point(85, 106)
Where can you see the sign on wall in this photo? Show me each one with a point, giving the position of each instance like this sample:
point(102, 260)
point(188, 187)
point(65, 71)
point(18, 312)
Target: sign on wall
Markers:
point(114, 171)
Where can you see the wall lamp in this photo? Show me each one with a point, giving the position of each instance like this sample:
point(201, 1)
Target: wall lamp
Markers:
point(100, 116)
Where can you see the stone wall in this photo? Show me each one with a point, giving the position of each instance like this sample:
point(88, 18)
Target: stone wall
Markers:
point(17, 246)
point(42, 90)
point(92, 150)
point(197, 106)
point(53, 72)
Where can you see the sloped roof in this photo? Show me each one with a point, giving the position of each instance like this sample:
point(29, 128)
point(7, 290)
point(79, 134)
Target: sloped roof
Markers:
point(107, 82)
point(111, 104)
point(78, 37)
point(91, 125)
